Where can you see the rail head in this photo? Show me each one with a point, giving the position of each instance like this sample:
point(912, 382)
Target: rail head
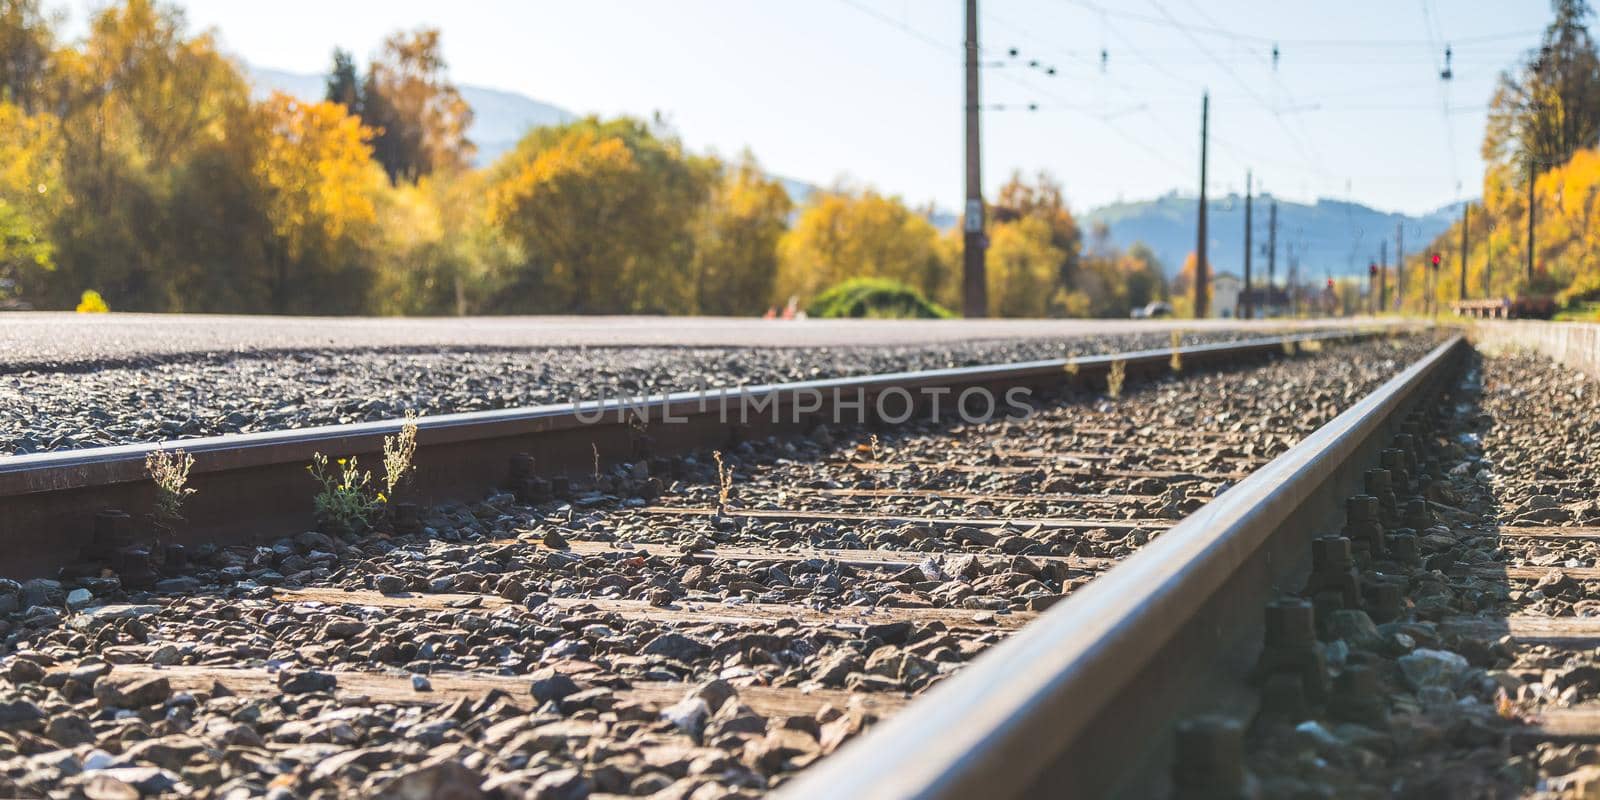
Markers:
point(992, 728)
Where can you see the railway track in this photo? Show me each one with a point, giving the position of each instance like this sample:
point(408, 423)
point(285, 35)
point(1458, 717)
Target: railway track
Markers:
point(675, 621)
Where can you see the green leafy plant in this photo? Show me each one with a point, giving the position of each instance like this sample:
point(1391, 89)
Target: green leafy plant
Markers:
point(347, 502)
point(877, 298)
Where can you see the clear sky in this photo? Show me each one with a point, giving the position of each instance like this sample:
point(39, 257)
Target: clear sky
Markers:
point(870, 90)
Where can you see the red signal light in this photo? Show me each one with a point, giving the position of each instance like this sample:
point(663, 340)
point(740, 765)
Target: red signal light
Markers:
point(1372, 269)
point(1435, 260)
point(1330, 284)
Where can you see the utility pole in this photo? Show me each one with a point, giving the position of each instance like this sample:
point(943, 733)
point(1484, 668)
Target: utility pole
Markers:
point(1272, 248)
point(1247, 308)
point(1532, 174)
point(1383, 275)
point(1400, 264)
point(1466, 212)
point(1294, 282)
point(1201, 273)
point(975, 302)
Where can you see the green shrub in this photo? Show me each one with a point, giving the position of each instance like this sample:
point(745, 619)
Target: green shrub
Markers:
point(877, 298)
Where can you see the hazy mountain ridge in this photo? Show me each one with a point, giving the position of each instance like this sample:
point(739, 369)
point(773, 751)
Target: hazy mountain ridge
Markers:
point(1329, 237)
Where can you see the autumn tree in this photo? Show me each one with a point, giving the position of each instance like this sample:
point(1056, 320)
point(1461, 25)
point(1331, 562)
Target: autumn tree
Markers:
point(1024, 269)
point(420, 118)
point(604, 212)
point(343, 83)
point(27, 43)
point(736, 241)
point(843, 234)
point(1551, 109)
point(30, 195)
point(1043, 199)
point(320, 184)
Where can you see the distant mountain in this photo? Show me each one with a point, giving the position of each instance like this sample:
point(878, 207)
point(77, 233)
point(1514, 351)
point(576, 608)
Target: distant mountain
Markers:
point(1331, 237)
point(499, 118)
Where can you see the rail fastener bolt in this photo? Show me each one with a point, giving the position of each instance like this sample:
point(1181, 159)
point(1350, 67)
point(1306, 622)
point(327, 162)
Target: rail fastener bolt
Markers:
point(1209, 764)
point(1334, 582)
point(1358, 697)
point(1417, 516)
point(1362, 528)
point(1394, 460)
point(1378, 485)
point(1385, 602)
point(1290, 647)
point(1403, 546)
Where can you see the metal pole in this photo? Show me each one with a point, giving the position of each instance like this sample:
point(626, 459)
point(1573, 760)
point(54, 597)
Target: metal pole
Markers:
point(1466, 213)
point(1201, 273)
point(1383, 275)
point(1272, 248)
point(1247, 308)
point(1532, 174)
point(974, 294)
point(1400, 264)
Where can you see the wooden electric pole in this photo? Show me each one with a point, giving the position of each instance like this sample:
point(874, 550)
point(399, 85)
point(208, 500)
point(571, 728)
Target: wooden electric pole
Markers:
point(1466, 213)
point(1383, 275)
point(1247, 307)
point(1532, 176)
point(1400, 264)
point(1201, 273)
point(974, 294)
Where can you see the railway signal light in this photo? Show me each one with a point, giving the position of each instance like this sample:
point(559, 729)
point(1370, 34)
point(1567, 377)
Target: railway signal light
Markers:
point(1330, 284)
point(1372, 269)
point(1435, 260)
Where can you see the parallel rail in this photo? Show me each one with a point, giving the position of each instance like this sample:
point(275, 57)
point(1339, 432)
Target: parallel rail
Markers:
point(254, 486)
point(1082, 701)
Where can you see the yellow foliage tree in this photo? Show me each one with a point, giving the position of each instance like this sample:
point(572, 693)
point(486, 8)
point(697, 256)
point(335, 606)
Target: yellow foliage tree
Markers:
point(321, 180)
point(736, 241)
point(843, 235)
point(1023, 268)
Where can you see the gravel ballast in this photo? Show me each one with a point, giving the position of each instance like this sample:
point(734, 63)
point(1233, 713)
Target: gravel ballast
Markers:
point(552, 649)
point(222, 394)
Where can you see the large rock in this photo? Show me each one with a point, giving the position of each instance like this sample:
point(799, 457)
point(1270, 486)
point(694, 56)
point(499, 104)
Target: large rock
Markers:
point(1423, 668)
point(443, 780)
point(118, 693)
point(676, 646)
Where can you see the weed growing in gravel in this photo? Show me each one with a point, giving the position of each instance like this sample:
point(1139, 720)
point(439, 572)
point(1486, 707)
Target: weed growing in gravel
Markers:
point(170, 472)
point(1071, 368)
point(1177, 358)
point(347, 502)
point(1114, 378)
point(724, 482)
point(877, 463)
point(1311, 346)
point(1288, 347)
point(596, 448)
point(398, 452)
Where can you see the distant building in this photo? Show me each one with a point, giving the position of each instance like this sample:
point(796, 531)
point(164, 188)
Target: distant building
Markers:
point(1225, 288)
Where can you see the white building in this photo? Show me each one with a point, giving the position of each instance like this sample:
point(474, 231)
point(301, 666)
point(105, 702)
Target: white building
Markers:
point(1225, 288)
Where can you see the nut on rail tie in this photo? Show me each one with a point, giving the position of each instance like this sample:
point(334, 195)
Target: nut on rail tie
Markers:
point(1378, 485)
point(1209, 764)
point(1362, 528)
point(1290, 647)
point(1334, 582)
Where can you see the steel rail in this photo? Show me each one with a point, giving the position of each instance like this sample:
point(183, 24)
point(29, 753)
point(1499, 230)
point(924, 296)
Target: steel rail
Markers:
point(1082, 701)
point(252, 485)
